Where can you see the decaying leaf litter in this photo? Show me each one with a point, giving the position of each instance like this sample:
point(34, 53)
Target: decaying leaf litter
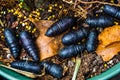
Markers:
point(91, 64)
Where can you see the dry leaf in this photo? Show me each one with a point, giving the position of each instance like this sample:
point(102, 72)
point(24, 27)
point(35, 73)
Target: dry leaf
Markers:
point(48, 46)
point(109, 42)
point(109, 52)
point(109, 35)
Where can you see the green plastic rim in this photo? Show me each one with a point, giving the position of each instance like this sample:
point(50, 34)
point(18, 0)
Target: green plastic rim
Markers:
point(11, 75)
point(108, 74)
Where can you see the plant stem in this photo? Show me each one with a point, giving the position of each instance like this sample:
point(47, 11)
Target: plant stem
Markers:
point(78, 62)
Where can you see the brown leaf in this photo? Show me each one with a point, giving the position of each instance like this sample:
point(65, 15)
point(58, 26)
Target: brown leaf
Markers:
point(109, 40)
point(109, 35)
point(48, 46)
point(41, 23)
point(109, 52)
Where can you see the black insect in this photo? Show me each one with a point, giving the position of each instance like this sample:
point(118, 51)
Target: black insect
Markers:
point(75, 36)
point(71, 51)
point(60, 26)
point(12, 42)
point(112, 11)
point(29, 66)
point(29, 45)
point(53, 69)
point(100, 21)
point(92, 41)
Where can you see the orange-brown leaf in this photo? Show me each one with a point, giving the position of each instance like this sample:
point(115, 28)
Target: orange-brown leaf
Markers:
point(109, 52)
point(48, 46)
point(109, 42)
point(109, 35)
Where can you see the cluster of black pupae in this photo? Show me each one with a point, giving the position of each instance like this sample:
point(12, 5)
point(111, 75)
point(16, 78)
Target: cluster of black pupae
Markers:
point(70, 40)
point(28, 44)
point(90, 34)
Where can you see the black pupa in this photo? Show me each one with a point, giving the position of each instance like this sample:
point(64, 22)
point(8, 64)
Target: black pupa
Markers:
point(12, 42)
point(100, 21)
point(29, 45)
point(112, 11)
point(92, 41)
point(61, 26)
point(75, 36)
point(29, 66)
point(71, 51)
point(53, 69)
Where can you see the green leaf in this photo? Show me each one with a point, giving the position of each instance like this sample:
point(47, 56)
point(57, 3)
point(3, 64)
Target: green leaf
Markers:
point(21, 0)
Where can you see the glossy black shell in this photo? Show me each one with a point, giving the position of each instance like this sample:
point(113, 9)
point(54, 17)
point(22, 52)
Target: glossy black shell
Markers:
point(61, 26)
point(100, 21)
point(29, 45)
point(112, 11)
point(75, 36)
point(92, 41)
point(12, 42)
point(71, 51)
point(29, 66)
point(53, 69)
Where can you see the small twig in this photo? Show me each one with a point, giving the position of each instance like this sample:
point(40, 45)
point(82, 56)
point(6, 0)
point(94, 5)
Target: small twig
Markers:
point(80, 11)
point(78, 62)
point(69, 2)
point(1, 23)
point(5, 60)
point(75, 3)
point(93, 2)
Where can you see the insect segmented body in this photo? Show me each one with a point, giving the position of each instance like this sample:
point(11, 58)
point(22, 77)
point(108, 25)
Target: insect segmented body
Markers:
point(60, 26)
point(12, 42)
point(100, 21)
point(29, 66)
point(71, 51)
point(29, 45)
point(92, 41)
point(75, 36)
point(112, 11)
point(53, 69)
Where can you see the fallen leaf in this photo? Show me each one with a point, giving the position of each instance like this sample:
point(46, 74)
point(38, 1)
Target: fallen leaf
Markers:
point(41, 23)
point(109, 52)
point(109, 35)
point(48, 46)
point(109, 42)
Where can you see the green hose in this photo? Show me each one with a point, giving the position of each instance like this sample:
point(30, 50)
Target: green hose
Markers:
point(108, 74)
